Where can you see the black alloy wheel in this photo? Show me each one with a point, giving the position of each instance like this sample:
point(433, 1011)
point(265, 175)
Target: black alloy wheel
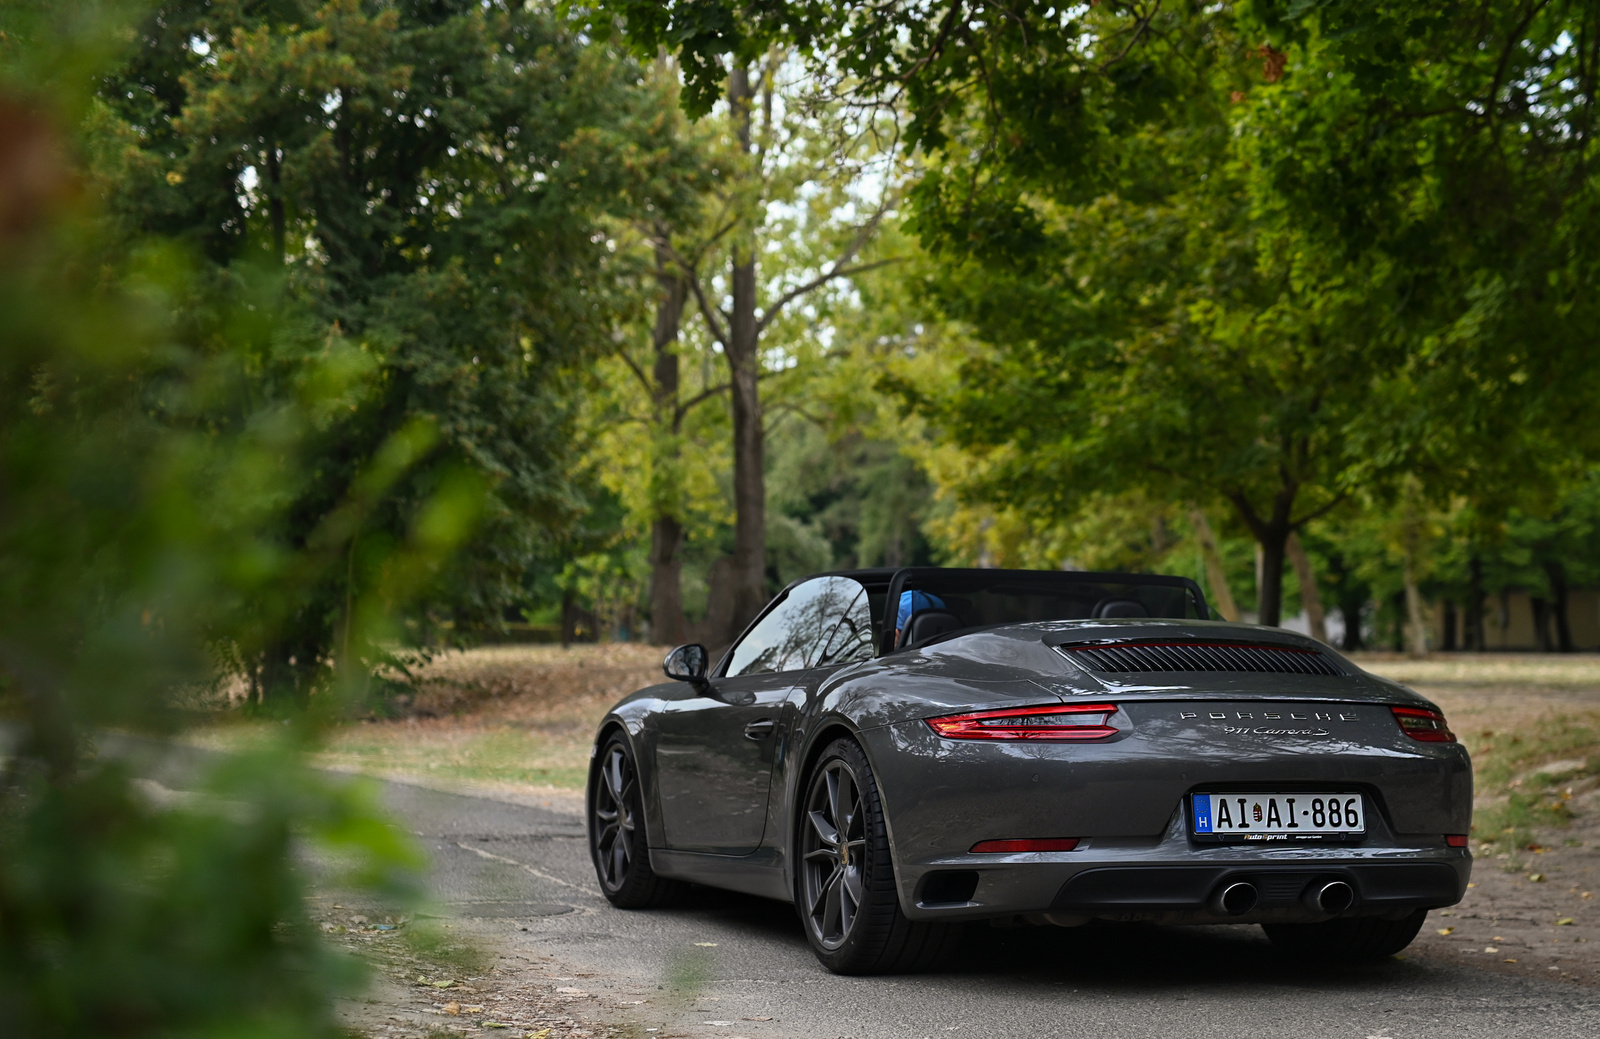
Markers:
point(835, 852)
point(617, 835)
point(846, 889)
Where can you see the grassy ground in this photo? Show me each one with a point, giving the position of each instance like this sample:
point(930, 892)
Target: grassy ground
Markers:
point(507, 718)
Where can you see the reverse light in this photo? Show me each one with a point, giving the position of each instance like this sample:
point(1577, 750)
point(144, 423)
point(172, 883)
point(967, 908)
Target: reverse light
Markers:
point(1013, 847)
point(1455, 840)
point(1422, 724)
point(1052, 722)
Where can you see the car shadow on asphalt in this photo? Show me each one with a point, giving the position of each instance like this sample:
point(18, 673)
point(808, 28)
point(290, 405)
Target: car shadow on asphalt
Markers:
point(1107, 956)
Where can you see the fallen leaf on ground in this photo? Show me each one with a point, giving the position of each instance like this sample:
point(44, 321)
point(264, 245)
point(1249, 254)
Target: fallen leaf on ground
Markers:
point(566, 991)
point(1536, 877)
point(1490, 948)
point(452, 1008)
point(441, 984)
point(494, 1024)
point(1447, 930)
point(1508, 961)
point(1564, 921)
point(543, 1033)
point(707, 945)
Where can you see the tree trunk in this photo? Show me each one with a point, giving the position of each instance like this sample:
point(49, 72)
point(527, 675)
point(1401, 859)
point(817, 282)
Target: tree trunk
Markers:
point(1310, 597)
point(1273, 541)
point(1216, 575)
point(1350, 609)
point(1558, 605)
point(1541, 623)
point(1448, 638)
point(1472, 623)
point(744, 363)
point(1397, 606)
point(569, 617)
point(275, 204)
point(666, 530)
point(667, 625)
point(1416, 623)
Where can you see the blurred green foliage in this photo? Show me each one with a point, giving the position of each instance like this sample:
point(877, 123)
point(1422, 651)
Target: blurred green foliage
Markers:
point(291, 292)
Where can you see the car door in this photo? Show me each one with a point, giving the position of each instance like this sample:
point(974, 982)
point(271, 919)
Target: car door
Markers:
point(715, 748)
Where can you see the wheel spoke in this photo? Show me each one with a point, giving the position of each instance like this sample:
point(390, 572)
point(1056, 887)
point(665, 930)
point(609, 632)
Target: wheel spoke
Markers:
point(833, 798)
point(833, 910)
point(619, 861)
point(822, 853)
point(848, 805)
point(825, 830)
point(852, 886)
point(822, 893)
point(614, 776)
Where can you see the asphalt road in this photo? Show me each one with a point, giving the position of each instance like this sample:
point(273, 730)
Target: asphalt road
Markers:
point(722, 963)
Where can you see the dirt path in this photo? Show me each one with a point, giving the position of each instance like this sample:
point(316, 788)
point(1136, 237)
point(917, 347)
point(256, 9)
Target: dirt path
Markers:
point(1532, 908)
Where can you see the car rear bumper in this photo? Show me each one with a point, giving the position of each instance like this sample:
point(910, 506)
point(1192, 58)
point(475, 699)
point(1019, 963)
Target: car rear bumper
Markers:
point(1175, 880)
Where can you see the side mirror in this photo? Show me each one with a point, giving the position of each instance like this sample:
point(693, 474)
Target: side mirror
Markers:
point(688, 664)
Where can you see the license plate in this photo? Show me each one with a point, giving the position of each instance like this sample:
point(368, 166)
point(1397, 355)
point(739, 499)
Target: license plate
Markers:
point(1277, 815)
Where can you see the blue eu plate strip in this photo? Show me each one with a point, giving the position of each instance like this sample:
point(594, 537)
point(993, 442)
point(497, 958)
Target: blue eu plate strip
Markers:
point(1202, 813)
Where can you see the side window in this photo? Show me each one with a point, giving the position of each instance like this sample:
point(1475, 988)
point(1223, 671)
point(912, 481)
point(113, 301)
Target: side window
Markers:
point(803, 630)
point(852, 639)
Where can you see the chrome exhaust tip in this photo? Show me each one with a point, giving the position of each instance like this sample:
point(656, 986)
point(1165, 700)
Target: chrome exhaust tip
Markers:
point(1235, 899)
point(1332, 896)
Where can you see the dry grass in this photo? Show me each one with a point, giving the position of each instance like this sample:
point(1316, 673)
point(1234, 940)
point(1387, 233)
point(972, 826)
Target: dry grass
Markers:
point(1512, 670)
point(514, 719)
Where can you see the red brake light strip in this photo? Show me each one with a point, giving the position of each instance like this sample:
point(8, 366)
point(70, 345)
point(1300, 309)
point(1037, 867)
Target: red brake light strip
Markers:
point(1042, 722)
point(1422, 724)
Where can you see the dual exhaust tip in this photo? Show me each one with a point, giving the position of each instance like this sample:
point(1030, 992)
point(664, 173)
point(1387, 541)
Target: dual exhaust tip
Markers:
point(1324, 896)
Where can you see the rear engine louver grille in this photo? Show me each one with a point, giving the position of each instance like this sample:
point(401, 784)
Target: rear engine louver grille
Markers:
point(1200, 656)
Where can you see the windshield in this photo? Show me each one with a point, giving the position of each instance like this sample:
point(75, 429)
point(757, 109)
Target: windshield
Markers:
point(927, 602)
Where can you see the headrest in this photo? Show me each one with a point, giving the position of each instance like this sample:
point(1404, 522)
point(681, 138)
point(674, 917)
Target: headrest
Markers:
point(1120, 608)
point(928, 624)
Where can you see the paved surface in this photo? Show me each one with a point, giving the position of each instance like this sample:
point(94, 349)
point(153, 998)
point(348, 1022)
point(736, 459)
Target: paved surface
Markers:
point(726, 965)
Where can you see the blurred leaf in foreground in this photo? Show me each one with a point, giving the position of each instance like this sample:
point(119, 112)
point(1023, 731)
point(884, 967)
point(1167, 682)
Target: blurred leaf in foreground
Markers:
point(139, 497)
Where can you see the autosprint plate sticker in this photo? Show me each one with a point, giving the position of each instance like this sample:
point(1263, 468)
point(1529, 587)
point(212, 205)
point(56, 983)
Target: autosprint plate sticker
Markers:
point(1260, 816)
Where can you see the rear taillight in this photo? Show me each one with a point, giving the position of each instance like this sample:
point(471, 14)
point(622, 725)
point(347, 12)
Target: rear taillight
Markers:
point(1422, 724)
point(1035, 844)
point(1455, 840)
point(1053, 722)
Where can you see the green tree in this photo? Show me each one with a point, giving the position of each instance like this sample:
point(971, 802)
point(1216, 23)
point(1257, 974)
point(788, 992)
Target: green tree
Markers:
point(1267, 253)
point(429, 182)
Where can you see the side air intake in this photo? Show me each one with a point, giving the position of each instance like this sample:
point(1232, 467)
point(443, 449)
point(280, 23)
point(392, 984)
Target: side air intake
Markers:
point(1200, 656)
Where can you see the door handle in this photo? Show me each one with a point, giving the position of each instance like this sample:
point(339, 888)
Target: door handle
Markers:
point(760, 730)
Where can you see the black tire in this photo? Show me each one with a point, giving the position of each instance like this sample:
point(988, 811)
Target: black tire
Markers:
point(1349, 939)
point(617, 841)
point(845, 890)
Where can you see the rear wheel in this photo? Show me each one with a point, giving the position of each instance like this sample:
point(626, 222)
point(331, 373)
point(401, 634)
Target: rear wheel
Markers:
point(616, 834)
point(847, 895)
point(1347, 939)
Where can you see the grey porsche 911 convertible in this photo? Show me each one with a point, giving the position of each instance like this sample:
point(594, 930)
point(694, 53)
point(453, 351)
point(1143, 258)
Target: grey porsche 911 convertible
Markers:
point(903, 752)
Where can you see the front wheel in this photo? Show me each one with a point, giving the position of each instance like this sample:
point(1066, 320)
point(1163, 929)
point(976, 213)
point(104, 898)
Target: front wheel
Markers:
point(846, 888)
point(617, 836)
point(1346, 939)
